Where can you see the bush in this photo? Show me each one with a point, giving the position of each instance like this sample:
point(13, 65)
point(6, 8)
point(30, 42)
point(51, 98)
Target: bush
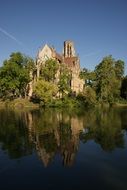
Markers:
point(87, 98)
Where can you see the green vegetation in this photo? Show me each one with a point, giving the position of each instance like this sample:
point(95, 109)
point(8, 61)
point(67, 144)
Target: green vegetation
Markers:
point(59, 131)
point(105, 85)
point(49, 70)
point(107, 81)
point(109, 75)
point(64, 80)
point(14, 76)
point(45, 91)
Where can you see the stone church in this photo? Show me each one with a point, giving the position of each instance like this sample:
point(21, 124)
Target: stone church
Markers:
point(68, 57)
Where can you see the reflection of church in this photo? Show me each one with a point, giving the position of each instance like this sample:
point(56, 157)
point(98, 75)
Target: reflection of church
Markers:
point(63, 139)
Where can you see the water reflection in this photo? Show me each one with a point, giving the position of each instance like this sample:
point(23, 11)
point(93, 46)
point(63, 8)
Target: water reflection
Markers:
point(52, 132)
point(55, 133)
point(107, 128)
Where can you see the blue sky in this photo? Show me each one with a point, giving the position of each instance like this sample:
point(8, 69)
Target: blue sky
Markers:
point(97, 27)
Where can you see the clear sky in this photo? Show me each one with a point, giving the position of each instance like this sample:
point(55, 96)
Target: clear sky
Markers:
point(97, 27)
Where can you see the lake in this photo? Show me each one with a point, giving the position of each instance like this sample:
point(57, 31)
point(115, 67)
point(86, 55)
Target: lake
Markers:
point(62, 149)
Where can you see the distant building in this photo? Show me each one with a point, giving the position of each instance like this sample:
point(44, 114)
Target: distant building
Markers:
point(69, 58)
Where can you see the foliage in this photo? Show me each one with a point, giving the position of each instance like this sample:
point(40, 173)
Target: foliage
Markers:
point(49, 70)
point(64, 80)
point(88, 97)
point(17, 57)
point(88, 76)
point(105, 84)
point(104, 127)
point(119, 69)
point(45, 91)
point(14, 76)
point(108, 79)
point(14, 136)
point(124, 88)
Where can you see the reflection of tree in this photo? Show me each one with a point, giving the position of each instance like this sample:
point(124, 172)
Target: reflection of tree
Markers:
point(53, 132)
point(13, 134)
point(123, 114)
point(106, 130)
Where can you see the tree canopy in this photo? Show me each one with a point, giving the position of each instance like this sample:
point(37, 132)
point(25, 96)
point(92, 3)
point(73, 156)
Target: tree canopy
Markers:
point(14, 76)
point(109, 74)
point(45, 91)
point(105, 84)
point(49, 70)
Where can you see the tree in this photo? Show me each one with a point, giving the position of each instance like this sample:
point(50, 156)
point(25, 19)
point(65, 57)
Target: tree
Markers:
point(64, 80)
point(124, 88)
point(88, 76)
point(88, 97)
point(49, 70)
point(108, 79)
point(14, 76)
point(17, 58)
point(45, 91)
point(29, 66)
point(119, 69)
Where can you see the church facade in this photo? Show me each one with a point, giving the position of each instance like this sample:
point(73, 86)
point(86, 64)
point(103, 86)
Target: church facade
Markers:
point(68, 57)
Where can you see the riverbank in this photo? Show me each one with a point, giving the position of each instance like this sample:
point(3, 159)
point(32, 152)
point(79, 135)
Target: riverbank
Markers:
point(21, 103)
point(119, 105)
point(18, 103)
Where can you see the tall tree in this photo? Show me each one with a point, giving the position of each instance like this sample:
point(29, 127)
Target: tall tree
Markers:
point(119, 69)
point(124, 88)
point(108, 78)
point(14, 76)
point(64, 80)
point(49, 70)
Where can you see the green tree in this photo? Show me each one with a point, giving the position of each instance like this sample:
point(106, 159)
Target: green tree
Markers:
point(45, 91)
point(88, 97)
point(30, 69)
point(108, 79)
point(64, 80)
point(124, 88)
point(88, 76)
point(14, 76)
point(49, 70)
point(119, 69)
point(17, 57)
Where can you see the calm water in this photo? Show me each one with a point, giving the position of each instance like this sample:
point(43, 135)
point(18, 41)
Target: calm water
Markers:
point(50, 149)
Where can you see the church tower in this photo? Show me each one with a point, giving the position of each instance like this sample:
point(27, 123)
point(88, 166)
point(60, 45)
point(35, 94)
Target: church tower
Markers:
point(69, 50)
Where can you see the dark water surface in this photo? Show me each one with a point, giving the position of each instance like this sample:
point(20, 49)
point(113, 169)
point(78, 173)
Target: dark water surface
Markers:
point(51, 149)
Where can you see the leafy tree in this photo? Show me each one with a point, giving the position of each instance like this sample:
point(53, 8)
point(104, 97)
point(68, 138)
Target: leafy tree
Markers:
point(119, 69)
point(88, 97)
point(49, 70)
point(108, 79)
point(17, 57)
point(64, 80)
point(45, 91)
point(29, 64)
point(124, 88)
point(30, 69)
point(14, 76)
point(88, 76)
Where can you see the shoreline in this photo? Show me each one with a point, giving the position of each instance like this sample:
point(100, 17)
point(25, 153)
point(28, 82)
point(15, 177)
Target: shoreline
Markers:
point(25, 103)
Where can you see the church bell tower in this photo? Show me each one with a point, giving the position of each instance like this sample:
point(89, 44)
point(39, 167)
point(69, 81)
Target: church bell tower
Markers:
point(69, 50)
